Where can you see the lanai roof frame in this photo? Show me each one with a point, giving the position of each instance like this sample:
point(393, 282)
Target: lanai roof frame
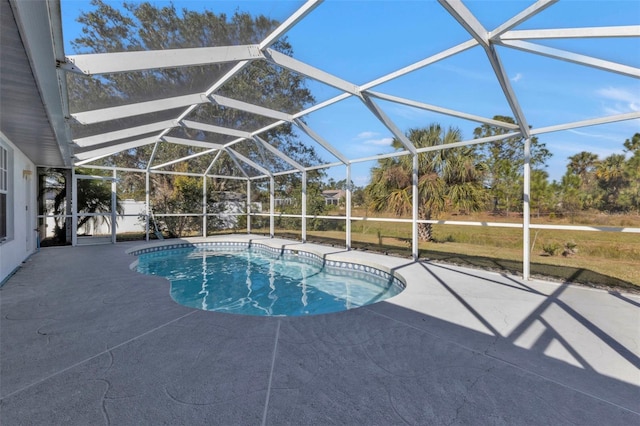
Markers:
point(505, 36)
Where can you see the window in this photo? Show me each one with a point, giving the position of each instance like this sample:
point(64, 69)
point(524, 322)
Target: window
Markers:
point(4, 191)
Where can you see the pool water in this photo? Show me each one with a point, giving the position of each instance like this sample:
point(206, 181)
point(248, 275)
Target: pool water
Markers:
point(254, 282)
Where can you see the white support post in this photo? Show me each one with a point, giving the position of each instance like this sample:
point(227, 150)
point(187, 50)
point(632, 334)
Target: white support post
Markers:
point(304, 206)
point(414, 205)
point(248, 206)
point(204, 206)
point(526, 254)
point(147, 202)
point(348, 206)
point(74, 208)
point(114, 200)
point(272, 206)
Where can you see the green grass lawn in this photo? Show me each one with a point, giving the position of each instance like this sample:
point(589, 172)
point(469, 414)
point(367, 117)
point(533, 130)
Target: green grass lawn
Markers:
point(601, 258)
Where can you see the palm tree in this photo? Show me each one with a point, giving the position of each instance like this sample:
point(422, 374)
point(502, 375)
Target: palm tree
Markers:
point(584, 164)
point(448, 179)
point(633, 171)
point(612, 179)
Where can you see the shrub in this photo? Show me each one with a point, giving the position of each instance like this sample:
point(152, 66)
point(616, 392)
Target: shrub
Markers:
point(569, 249)
point(551, 249)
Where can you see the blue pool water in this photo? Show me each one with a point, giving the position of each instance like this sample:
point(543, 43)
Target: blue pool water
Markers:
point(256, 282)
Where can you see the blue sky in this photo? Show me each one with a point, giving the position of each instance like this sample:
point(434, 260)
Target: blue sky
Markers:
point(360, 41)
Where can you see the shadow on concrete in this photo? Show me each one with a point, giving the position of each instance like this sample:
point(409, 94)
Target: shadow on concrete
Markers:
point(99, 343)
point(537, 315)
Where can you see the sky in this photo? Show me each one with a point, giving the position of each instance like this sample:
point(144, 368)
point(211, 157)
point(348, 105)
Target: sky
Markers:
point(360, 41)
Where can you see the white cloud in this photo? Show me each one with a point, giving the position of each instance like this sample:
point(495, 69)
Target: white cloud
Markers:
point(379, 142)
point(595, 135)
point(367, 135)
point(517, 78)
point(619, 94)
point(618, 100)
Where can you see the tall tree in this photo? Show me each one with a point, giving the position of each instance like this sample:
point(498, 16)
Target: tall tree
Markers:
point(633, 145)
point(569, 194)
point(584, 165)
point(541, 195)
point(632, 168)
point(448, 179)
point(146, 26)
point(612, 179)
point(505, 159)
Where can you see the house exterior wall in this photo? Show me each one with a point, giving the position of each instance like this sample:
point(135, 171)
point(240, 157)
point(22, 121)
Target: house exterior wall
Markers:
point(21, 209)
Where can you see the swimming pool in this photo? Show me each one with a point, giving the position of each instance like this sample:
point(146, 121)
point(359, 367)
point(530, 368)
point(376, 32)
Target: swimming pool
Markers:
point(254, 279)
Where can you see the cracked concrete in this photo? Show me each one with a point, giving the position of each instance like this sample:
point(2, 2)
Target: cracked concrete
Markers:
point(85, 340)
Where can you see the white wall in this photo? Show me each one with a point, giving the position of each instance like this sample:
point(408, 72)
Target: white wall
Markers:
point(133, 209)
point(21, 243)
point(127, 223)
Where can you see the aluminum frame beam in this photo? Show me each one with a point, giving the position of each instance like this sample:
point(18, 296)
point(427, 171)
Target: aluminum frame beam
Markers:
point(114, 149)
point(585, 123)
point(248, 161)
point(124, 133)
point(428, 148)
point(465, 18)
point(389, 124)
point(191, 142)
point(585, 32)
point(278, 153)
point(118, 62)
point(421, 64)
point(269, 40)
point(320, 140)
point(440, 110)
point(206, 172)
point(296, 17)
point(468, 21)
point(129, 110)
point(507, 89)
point(237, 163)
point(247, 107)
point(310, 71)
point(89, 160)
point(575, 58)
point(321, 105)
point(186, 158)
point(530, 11)
point(216, 129)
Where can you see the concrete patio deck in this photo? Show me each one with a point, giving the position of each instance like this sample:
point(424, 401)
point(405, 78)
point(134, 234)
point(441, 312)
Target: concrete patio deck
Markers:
point(85, 340)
